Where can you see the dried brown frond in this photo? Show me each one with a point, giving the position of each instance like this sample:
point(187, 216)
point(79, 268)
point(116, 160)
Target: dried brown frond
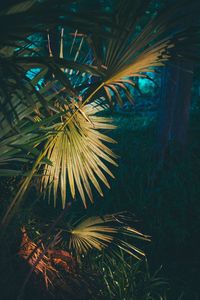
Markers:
point(48, 264)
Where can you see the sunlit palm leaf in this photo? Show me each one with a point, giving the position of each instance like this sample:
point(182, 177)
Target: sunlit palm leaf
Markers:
point(77, 155)
point(101, 232)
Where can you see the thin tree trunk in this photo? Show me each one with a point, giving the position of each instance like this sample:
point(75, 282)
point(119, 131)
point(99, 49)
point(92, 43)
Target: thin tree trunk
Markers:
point(179, 129)
point(173, 115)
point(165, 111)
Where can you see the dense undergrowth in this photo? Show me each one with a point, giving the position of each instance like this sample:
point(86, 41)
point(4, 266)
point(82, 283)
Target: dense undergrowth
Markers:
point(167, 209)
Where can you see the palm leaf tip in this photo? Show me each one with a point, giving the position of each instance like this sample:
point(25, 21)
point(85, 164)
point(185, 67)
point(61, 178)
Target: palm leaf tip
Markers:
point(78, 154)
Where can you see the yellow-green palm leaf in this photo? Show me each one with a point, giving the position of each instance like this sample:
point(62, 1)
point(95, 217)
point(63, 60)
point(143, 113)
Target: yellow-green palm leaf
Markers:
point(77, 154)
point(100, 232)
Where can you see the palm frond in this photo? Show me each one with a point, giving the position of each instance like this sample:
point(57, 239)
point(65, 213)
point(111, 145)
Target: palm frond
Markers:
point(37, 259)
point(19, 52)
point(76, 155)
point(166, 36)
point(106, 231)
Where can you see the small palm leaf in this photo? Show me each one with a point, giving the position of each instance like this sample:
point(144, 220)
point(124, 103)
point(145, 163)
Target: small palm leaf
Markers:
point(101, 232)
point(77, 155)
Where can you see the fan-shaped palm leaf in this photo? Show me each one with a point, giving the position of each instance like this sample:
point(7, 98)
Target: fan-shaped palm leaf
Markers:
point(101, 232)
point(77, 155)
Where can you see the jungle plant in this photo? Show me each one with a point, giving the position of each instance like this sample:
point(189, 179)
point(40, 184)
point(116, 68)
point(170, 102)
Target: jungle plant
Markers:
point(126, 279)
point(64, 253)
point(56, 110)
point(50, 130)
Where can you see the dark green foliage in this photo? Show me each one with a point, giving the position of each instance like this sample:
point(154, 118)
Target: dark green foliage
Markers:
point(169, 210)
point(126, 279)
